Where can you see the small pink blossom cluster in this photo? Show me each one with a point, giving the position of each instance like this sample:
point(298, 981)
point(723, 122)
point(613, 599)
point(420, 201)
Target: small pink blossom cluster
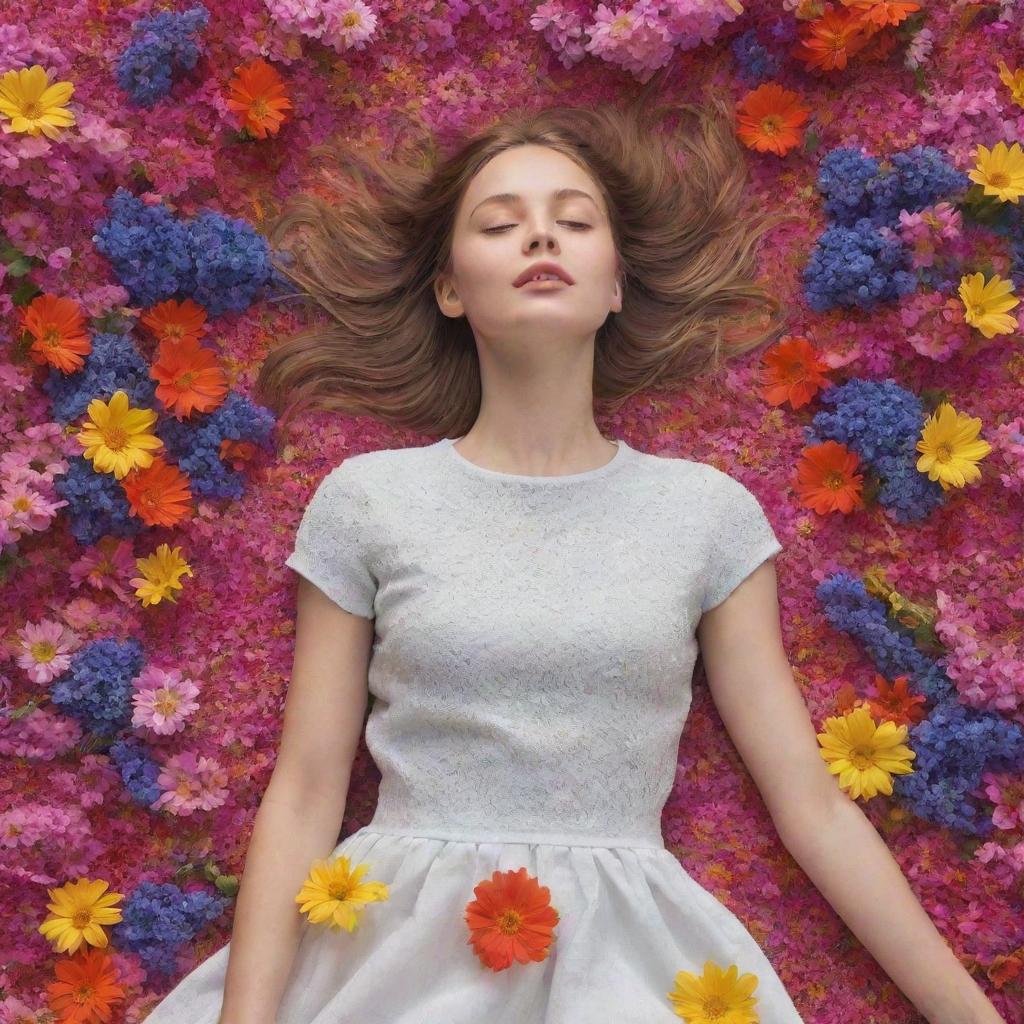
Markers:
point(640, 39)
point(935, 324)
point(986, 667)
point(922, 232)
point(1008, 452)
point(33, 457)
point(339, 24)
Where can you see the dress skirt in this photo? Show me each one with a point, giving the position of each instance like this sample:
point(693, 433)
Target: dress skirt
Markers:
point(630, 919)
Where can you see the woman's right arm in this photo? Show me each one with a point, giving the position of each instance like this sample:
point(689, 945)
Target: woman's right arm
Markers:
point(300, 815)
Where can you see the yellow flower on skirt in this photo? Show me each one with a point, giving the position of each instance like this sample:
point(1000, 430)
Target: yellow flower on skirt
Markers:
point(716, 996)
point(334, 893)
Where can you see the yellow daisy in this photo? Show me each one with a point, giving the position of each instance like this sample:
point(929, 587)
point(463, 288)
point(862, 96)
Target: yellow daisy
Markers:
point(951, 447)
point(1000, 171)
point(79, 911)
point(716, 996)
point(1014, 81)
point(116, 437)
point(161, 573)
point(33, 104)
point(333, 893)
point(986, 303)
point(864, 755)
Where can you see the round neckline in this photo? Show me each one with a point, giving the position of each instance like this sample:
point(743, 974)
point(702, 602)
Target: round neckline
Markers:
point(460, 460)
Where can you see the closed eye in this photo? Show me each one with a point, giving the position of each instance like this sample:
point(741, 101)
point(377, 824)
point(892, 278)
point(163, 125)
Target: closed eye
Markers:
point(573, 223)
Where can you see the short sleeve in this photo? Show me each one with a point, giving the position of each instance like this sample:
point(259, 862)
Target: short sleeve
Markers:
point(332, 543)
point(742, 537)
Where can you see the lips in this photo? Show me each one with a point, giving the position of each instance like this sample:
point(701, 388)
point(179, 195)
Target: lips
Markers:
point(542, 268)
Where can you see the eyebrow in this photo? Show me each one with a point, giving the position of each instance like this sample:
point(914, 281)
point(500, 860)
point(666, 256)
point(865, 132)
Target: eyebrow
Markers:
point(511, 197)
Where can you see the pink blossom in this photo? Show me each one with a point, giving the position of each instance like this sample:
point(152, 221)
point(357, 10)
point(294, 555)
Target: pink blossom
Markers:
point(163, 700)
point(46, 649)
point(191, 782)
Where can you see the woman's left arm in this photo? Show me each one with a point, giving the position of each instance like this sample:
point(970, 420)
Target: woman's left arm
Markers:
point(829, 836)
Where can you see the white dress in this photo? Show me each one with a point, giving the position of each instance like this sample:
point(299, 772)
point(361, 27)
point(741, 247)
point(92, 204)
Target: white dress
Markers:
point(531, 676)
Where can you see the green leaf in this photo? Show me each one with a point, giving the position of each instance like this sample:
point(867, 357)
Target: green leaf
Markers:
point(25, 292)
point(20, 265)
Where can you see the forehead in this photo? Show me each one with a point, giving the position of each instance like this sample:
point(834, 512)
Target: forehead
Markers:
point(530, 171)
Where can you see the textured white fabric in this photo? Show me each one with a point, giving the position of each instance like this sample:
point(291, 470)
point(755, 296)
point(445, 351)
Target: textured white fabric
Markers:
point(531, 674)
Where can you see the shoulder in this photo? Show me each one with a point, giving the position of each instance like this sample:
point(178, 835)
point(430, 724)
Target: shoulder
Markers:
point(380, 464)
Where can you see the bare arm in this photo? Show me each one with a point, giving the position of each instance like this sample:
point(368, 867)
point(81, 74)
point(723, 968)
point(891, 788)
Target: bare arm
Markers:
point(830, 837)
point(301, 812)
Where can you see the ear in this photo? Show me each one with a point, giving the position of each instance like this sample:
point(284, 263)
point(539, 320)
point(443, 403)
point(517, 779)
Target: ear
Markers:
point(447, 299)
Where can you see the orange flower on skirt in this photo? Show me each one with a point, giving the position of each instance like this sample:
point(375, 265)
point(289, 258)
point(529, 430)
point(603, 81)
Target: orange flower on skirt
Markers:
point(510, 920)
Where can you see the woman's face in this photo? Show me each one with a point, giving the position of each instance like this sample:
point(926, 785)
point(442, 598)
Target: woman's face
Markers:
point(497, 239)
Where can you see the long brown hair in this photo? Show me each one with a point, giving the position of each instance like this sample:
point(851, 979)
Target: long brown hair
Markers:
point(684, 230)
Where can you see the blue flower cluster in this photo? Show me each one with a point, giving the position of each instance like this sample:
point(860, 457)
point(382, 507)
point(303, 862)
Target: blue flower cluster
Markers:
point(148, 247)
point(139, 772)
point(881, 421)
point(220, 262)
point(161, 49)
point(754, 62)
point(114, 364)
point(195, 446)
point(97, 687)
point(157, 919)
point(858, 187)
point(853, 263)
point(97, 505)
point(954, 744)
point(856, 266)
point(849, 608)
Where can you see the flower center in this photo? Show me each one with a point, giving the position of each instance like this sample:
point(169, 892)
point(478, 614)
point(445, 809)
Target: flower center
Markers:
point(510, 922)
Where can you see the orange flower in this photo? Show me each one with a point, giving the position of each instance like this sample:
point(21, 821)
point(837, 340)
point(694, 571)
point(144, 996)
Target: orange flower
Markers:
point(85, 989)
point(57, 326)
point(827, 42)
point(511, 919)
point(794, 372)
point(188, 377)
point(826, 480)
point(882, 12)
point(896, 703)
point(258, 98)
point(879, 45)
point(237, 454)
point(173, 320)
point(159, 494)
point(846, 698)
point(769, 118)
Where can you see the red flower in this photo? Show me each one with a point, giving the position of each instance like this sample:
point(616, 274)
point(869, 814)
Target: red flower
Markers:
point(511, 919)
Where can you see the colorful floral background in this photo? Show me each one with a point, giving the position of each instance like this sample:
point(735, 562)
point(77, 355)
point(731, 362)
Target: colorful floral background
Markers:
point(148, 501)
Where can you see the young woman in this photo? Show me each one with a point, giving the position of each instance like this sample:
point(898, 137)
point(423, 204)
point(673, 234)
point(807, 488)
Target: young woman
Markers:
point(525, 599)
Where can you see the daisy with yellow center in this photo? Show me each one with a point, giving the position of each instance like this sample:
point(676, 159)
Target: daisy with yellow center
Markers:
point(716, 996)
point(334, 893)
point(986, 303)
point(32, 104)
point(79, 911)
point(116, 438)
point(161, 576)
point(951, 447)
point(864, 755)
point(1000, 171)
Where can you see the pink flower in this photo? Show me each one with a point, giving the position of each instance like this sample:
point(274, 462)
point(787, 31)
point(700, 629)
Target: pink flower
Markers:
point(25, 509)
point(46, 649)
point(59, 258)
point(163, 700)
point(191, 782)
point(1007, 793)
